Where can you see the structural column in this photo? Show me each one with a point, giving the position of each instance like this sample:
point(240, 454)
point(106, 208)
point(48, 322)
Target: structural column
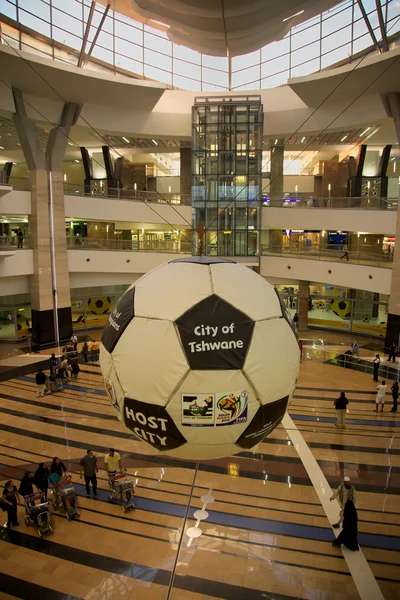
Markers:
point(304, 294)
point(49, 284)
point(186, 173)
point(276, 193)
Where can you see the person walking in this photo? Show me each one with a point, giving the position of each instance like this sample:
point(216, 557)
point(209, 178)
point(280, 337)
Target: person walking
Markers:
point(53, 363)
point(26, 484)
point(341, 408)
point(344, 492)
point(356, 348)
point(10, 496)
point(95, 351)
point(112, 462)
point(395, 396)
point(40, 379)
point(41, 478)
point(85, 351)
point(75, 368)
point(348, 535)
point(296, 321)
point(376, 363)
point(89, 469)
point(393, 348)
point(345, 251)
point(74, 341)
point(57, 467)
point(380, 396)
point(20, 236)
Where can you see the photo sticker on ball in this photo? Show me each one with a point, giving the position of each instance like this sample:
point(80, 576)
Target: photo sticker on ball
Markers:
point(198, 410)
point(215, 335)
point(264, 421)
point(232, 408)
point(112, 394)
point(118, 320)
point(152, 424)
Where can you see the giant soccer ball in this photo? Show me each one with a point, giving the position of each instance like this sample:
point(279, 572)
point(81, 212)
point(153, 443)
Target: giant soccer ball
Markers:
point(199, 358)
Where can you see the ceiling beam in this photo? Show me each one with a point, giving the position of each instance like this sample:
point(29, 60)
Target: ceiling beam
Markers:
point(368, 24)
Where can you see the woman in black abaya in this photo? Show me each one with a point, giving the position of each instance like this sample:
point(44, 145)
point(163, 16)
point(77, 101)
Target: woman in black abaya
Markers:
point(348, 535)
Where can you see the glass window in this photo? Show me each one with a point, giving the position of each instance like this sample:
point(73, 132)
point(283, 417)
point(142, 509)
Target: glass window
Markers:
point(9, 9)
point(275, 49)
point(275, 66)
point(104, 40)
point(186, 83)
point(157, 60)
point(305, 54)
point(249, 75)
point(305, 69)
point(215, 62)
point(157, 74)
point(214, 77)
point(312, 34)
point(275, 80)
point(66, 22)
point(31, 44)
point(246, 60)
point(129, 32)
point(128, 49)
point(70, 7)
point(186, 54)
point(335, 56)
point(330, 24)
point(331, 42)
point(158, 44)
point(34, 23)
point(62, 36)
point(393, 12)
point(186, 69)
point(128, 64)
point(361, 43)
point(103, 54)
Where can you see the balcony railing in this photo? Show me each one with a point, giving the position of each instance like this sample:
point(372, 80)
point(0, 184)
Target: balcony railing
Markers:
point(311, 201)
point(360, 257)
point(78, 243)
point(13, 242)
point(73, 189)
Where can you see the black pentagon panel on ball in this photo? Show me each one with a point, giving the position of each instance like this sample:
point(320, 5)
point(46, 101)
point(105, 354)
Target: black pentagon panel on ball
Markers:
point(215, 335)
point(285, 313)
point(264, 421)
point(152, 424)
point(118, 320)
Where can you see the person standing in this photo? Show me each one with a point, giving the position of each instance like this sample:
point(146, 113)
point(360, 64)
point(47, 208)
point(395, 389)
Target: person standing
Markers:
point(356, 348)
point(380, 396)
point(85, 351)
point(348, 535)
point(26, 485)
point(41, 479)
point(376, 363)
point(341, 408)
point(395, 396)
point(40, 379)
point(344, 492)
point(296, 321)
point(112, 462)
point(89, 469)
point(393, 348)
point(20, 236)
point(10, 496)
point(75, 368)
point(95, 350)
point(74, 341)
point(57, 467)
point(53, 363)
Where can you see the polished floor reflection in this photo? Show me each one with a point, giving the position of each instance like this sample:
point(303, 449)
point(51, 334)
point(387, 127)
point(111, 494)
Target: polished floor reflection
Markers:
point(266, 535)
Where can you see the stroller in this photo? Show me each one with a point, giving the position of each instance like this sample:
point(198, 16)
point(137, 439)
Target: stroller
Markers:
point(37, 512)
point(64, 496)
point(121, 488)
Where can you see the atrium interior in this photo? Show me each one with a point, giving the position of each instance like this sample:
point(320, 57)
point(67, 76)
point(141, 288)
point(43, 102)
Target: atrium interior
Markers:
point(139, 134)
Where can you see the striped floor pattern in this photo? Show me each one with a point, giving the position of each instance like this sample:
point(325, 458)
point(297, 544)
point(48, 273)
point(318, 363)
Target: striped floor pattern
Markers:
point(266, 535)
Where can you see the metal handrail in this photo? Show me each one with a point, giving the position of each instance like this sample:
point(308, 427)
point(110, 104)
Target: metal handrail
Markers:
point(332, 254)
point(79, 243)
point(13, 242)
point(302, 200)
point(108, 193)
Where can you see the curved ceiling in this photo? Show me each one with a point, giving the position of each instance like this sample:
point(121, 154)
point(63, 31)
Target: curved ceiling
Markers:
point(222, 27)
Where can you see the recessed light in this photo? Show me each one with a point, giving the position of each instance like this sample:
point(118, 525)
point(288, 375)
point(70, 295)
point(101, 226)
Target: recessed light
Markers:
point(295, 15)
point(70, 144)
point(125, 140)
point(302, 140)
point(276, 141)
point(154, 142)
point(343, 138)
point(163, 24)
point(76, 160)
point(1, 148)
point(364, 132)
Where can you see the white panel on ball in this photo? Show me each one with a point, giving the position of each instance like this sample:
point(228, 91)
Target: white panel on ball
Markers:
point(169, 292)
point(111, 382)
point(254, 296)
point(272, 363)
point(149, 360)
point(204, 451)
point(218, 405)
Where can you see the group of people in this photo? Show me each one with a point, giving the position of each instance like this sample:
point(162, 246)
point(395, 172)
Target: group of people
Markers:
point(39, 481)
point(348, 518)
point(342, 402)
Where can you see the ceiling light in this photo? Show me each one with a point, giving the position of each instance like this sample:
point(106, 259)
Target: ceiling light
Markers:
point(70, 144)
point(163, 24)
point(364, 132)
point(295, 15)
point(1, 148)
point(154, 142)
point(302, 140)
point(343, 138)
point(125, 140)
point(76, 160)
point(276, 141)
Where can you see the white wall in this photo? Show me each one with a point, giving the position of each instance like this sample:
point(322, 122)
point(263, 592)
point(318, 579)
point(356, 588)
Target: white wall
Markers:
point(317, 219)
point(16, 203)
point(305, 183)
point(85, 280)
point(125, 263)
point(21, 263)
point(11, 286)
point(371, 279)
point(110, 209)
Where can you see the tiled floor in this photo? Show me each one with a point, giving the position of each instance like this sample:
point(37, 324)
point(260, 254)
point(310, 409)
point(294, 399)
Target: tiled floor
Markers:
point(267, 535)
